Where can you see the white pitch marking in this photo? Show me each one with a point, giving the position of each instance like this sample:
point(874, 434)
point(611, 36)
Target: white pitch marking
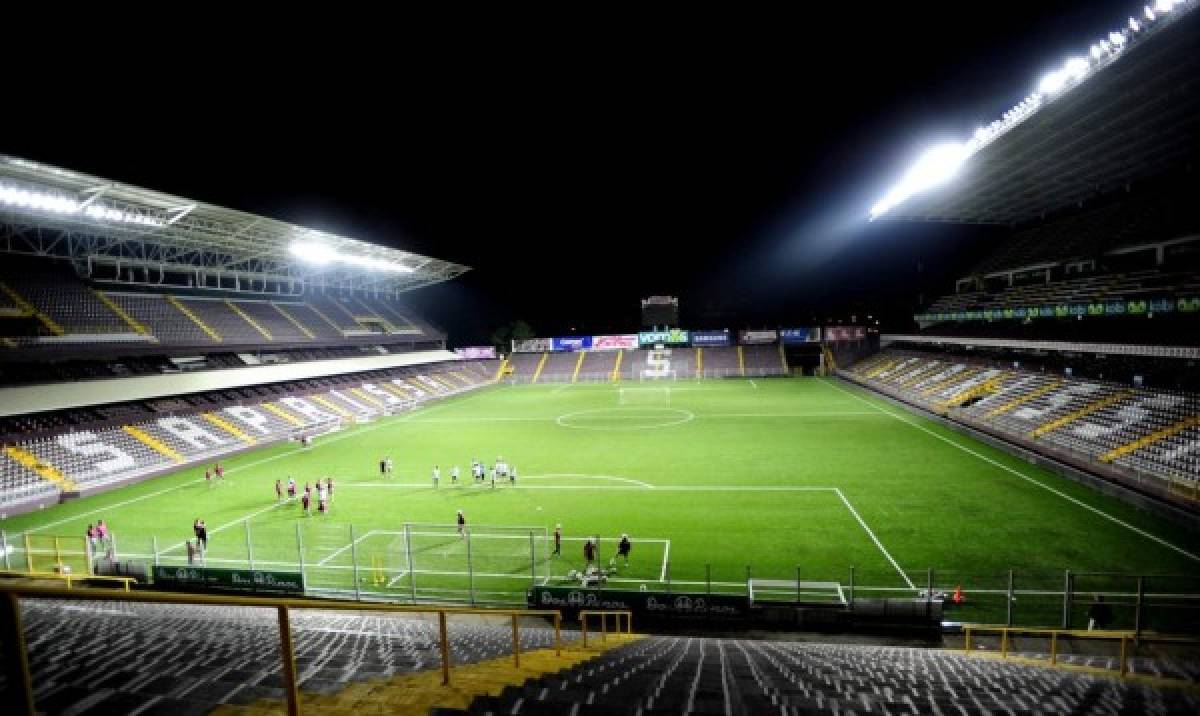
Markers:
point(661, 488)
point(343, 549)
point(874, 538)
point(227, 525)
point(1021, 475)
point(662, 577)
point(552, 475)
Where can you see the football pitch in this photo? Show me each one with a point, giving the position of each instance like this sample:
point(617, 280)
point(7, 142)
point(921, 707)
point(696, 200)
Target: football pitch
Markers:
point(715, 482)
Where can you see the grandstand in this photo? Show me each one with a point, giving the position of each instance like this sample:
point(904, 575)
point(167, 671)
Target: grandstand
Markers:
point(992, 509)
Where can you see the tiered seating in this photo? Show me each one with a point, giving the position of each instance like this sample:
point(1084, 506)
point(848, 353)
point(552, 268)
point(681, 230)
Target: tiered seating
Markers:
point(1147, 431)
point(56, 292)
point(271, 320)
point(762, 360)
point(559, 368)
point(735, 676)
point(1166, 212)
point(123, 442)
point(310, 319)
point(54, 300)
point(598, 366)
point(221, 318)
point(336, 311)
point(19, 484)
point(176, 659)
point(721, 361)
point(524, 365)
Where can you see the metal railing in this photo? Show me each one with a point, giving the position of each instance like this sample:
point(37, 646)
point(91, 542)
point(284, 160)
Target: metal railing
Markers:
point(69, 578)
point(16, 662)
point(1006, 633)
point(604, 614)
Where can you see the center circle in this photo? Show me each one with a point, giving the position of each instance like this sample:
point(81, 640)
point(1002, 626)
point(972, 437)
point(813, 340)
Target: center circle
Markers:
point(624, 418)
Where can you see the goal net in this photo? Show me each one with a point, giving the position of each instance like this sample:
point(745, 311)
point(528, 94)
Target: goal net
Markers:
point(658, 396)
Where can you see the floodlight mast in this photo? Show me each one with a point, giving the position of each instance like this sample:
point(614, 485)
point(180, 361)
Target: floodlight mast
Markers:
point(941, 163)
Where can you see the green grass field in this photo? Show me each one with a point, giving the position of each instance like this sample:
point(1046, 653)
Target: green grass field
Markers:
point(788, 477)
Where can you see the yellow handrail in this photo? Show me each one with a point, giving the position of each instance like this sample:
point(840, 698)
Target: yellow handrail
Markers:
point(1125, 637)
point(67, 577)
point(604, 614)
point(282, 605)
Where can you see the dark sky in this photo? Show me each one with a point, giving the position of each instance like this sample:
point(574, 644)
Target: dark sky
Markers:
point(578, 162)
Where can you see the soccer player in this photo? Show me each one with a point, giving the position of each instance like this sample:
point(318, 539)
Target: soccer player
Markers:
point(278, 490)
point(220, 471)
point(454, 475)
point(389, 467)
point(493, 474)
point(437, 475)
point(623, 548)
point(589, 551)
point(208, 477)
point(201, 531)
point(512, 475)
point(329, 487)
point(558, 540)
point(304, 502)
point(91, 535)
point(291, 487)
point(321, 497)
point(307, 488)
point(383, 467)
point(462, 524)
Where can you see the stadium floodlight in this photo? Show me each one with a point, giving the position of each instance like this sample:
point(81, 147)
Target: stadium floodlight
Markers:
point(936, 166)
point(322, 255)
point(1074, 71)
point(57, 203)
point(313, 253)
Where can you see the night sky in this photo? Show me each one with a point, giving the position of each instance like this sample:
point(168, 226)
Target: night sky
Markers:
point(577, 162)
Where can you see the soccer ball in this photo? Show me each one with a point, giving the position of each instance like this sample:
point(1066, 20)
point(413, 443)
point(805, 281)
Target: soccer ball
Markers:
point(643, 587)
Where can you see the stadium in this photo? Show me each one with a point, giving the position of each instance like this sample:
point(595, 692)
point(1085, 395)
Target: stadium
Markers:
point(989, 503)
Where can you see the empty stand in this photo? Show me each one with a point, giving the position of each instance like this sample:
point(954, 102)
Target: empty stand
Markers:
point(740, 676)
point(1138, 430)
point(111, 657)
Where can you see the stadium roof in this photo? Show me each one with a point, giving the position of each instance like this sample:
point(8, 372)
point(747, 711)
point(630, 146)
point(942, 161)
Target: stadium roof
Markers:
point(1126, 109)
point(45, 210)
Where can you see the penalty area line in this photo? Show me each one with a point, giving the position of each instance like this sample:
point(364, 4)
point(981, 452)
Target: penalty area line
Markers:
point(874, 539)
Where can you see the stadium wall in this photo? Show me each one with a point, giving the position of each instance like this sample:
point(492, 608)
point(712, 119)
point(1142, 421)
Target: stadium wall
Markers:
point(1059, 465)
point(24, 399)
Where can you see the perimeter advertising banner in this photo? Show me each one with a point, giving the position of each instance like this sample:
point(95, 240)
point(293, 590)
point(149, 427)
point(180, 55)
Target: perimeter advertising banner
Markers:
point(477, 352)
point(711, 338)
point(673, 337)
point(836, 334)
point(792, 336)
point(573, 343)
point(533, 345)
point(749, 338)
point(229, 580)
point(1137, 307)
point(691, 604)
point(625, 342)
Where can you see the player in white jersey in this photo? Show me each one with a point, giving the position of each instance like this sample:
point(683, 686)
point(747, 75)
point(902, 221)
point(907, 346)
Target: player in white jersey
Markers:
point(437, 475)
point(454, 475)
